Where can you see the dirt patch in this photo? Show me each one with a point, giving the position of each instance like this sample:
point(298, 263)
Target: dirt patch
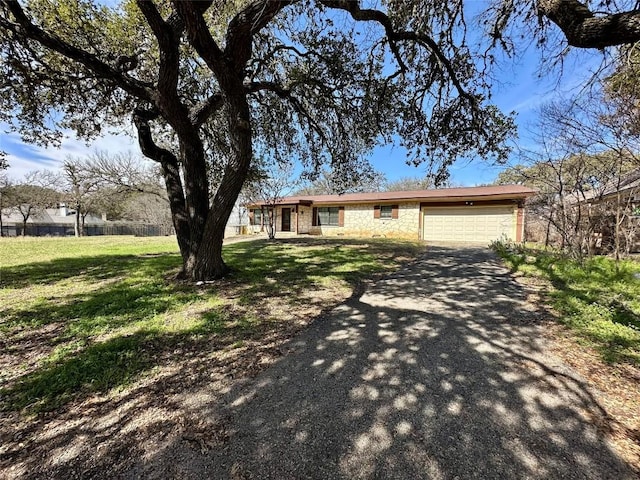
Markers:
point(148, 429)
point(616, 387)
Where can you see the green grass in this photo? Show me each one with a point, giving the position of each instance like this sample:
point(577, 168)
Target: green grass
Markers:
point(93, 314)
point(598, 301)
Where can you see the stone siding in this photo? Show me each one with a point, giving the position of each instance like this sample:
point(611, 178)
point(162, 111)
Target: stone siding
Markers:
point(305, 215)
point(359, 222)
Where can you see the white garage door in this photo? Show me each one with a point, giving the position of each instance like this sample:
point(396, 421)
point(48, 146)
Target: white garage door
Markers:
point(469, 224)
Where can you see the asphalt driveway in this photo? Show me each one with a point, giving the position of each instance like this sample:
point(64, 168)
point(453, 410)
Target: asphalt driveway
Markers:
point(438, 371)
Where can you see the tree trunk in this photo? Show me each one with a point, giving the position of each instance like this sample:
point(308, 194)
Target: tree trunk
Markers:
point(179, 217)
point(76, 224)
point(272, 219)
point(207, 262)
point(547, 233)
point(196, 192)
point(172, 179)
point(616, 242)
point(24, 227)
point(200, 225)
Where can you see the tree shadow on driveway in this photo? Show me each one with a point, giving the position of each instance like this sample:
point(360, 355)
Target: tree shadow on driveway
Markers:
point(438, 371)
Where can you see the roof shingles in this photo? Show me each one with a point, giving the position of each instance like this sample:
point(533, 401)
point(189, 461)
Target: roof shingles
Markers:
point(462, 193)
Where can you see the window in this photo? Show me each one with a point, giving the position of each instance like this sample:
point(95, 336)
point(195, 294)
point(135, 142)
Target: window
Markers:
point(328, 216)
point(386, 211)
point(257, 216)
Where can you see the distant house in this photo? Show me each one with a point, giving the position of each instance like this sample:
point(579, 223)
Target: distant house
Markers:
point(59, 222)
point(470, 214)
point(604, 205)
point(238, 222)
point(51, 221)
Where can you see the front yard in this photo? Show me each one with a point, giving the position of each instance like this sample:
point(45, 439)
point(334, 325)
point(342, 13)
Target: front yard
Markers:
point(89, 326)
point(105, 360)
point(593, 324)
point(598, 301)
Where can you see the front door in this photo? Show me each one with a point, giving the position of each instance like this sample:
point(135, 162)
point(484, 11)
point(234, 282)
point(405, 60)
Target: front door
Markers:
point(286, 219)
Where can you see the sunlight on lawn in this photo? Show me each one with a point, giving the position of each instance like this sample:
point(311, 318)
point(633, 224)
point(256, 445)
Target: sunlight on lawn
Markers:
point(90, 314)
point(598, 301)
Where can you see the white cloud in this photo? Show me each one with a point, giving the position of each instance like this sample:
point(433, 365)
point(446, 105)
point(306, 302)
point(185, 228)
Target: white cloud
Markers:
point(24, 158)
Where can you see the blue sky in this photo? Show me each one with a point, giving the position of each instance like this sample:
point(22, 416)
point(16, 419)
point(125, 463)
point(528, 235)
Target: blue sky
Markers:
point(519, 89)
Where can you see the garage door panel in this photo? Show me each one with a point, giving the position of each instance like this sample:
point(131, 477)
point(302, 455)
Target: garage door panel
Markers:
point(471, 224)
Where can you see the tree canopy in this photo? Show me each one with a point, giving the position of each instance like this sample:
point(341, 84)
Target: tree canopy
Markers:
point(208, 85)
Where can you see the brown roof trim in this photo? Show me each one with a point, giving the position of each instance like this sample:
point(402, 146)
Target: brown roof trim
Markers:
point(289, 201)
point(341, 201)
point(494, 192)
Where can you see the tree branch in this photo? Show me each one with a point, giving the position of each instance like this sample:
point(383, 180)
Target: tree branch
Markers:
point(254, 87)
point(170, 169)
point(167, 34)
point(256, 65)
point(203, 110)
point(199, 34)
point(583, 29)
point(239, 36)
point(255, 16)
point(369, 15)
point(286, 94)
point(168, 43)
point(25, 29)
point(141, 119)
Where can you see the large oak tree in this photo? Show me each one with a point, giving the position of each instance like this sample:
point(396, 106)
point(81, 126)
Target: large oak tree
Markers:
point(209, 83)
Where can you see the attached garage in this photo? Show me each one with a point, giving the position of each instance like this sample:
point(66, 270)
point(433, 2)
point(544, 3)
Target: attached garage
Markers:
point(474, 224)
point(464, 214)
